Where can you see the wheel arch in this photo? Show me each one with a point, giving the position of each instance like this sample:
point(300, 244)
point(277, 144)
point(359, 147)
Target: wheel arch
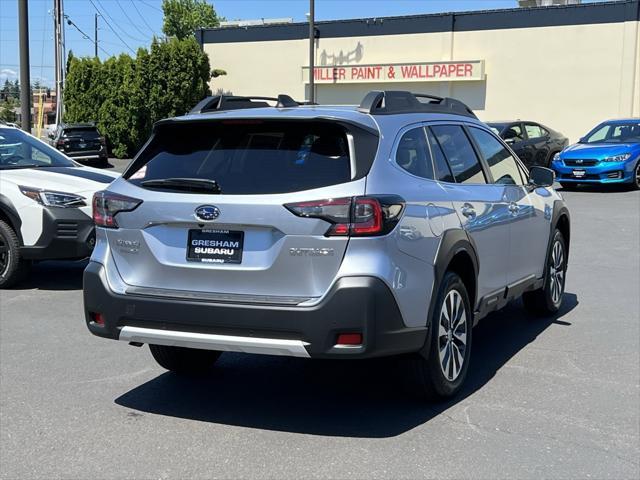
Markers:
point(562, 221)
point(9, 214)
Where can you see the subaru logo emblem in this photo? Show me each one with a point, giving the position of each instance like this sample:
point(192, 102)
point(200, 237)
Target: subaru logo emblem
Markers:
point(579, 161)
point(207, 212)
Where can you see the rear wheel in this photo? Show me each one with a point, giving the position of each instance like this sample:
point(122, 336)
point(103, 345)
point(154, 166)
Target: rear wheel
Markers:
point(184, 361)
point(568, 186)
point(443, 372)
point(548, 299)
point(12, 267)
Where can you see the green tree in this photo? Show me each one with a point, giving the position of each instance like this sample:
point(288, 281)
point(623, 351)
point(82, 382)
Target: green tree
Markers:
point(183, 17)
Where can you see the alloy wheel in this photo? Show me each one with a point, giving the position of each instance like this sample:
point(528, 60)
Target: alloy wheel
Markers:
point(4, 256)
point(452, 335)
point(638, 174)
point(556, 272)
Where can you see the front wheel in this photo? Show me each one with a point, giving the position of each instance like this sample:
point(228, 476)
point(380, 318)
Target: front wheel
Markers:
point(184, 361)
point(441, 374)
point(548, 299)
point(12, 267)
point(635, 181)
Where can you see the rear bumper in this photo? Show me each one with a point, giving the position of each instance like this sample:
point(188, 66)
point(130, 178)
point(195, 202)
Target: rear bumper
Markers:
point(88, 156)
point(603, 172)
point(67, 233)
point(354, 305)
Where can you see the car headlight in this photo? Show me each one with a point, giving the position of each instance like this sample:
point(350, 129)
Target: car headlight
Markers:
point(50, 198)
point(617, 158)
point(556, 157)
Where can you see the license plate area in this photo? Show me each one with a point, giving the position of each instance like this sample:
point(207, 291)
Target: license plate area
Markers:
point(215, 246)
point(579, 173)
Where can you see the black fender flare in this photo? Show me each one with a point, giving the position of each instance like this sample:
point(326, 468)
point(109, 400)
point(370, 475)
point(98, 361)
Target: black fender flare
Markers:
point(560, 211)
point(7, 208)
point(452, 243)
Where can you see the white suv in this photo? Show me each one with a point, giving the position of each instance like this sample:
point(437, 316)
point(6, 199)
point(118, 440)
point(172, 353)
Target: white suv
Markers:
point(45, 204)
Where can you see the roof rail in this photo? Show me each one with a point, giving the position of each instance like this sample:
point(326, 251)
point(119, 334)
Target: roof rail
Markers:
point(390, 102)
point(233, 102)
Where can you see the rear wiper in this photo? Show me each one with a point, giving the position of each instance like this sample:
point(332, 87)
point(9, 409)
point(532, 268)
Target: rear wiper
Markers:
point(196, 185)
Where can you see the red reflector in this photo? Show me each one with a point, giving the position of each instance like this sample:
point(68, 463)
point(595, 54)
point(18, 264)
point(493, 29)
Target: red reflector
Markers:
point(97, 318)
point(349, 339)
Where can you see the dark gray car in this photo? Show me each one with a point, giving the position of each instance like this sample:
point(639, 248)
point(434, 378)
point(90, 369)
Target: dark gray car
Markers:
point(534, 143)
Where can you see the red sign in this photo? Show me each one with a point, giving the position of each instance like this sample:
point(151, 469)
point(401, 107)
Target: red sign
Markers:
point(401, 72)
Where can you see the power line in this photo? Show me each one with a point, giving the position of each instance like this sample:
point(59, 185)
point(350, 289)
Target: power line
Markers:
point(151, 5)
point(126, 15)
point(117, 24)
point(84, 35)
point(142, 17)
point(109, 25)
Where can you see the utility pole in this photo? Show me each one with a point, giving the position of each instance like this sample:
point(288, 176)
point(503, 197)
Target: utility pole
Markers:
point(58, 30)
point(312, 51)
point(95, 37)
point(25, 80)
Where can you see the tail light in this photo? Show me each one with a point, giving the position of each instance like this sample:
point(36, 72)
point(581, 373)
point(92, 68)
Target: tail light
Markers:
point(107, 204)
point(103, 141)
point(60, 144)
point(353, 216)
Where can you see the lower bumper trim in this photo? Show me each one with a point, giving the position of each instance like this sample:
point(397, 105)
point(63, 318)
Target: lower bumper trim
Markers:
point(223, 343)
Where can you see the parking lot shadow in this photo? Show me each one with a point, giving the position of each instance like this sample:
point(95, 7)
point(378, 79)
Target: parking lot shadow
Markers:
point(333, 398)
point(54, 275)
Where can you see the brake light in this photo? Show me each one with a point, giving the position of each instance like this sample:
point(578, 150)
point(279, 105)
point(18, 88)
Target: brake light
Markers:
point(107, 204)
point(103, 141)
point(60, 144)
point(353, 216)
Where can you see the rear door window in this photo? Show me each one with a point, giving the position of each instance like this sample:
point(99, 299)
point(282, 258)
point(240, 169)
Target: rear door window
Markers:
point(460, 155)
point(412, 154)
point(443, 172)
point(248, 156)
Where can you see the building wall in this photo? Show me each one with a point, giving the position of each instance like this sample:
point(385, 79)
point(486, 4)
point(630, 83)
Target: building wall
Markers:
point(569, 77)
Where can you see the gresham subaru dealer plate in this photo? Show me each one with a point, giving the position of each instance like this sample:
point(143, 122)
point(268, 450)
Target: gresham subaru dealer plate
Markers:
point(215, 246)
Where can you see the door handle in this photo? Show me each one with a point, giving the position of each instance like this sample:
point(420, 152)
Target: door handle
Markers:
point(514, 207)
point(468, 211)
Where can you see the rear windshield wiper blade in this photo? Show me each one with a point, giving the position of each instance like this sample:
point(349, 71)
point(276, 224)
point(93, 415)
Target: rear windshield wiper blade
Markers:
point(184, 184)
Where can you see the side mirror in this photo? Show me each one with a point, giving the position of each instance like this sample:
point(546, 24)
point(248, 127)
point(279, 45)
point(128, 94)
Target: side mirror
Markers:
point(541, 177)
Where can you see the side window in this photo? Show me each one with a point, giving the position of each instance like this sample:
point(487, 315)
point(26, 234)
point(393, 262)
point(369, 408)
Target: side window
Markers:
point(457, 149)
point(533, 131)
point(502, 165)
point(443, 172)
point(413, 154)
point(514, 132)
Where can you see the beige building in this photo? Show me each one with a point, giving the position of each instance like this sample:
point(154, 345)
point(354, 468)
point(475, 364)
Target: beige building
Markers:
point(568, 67)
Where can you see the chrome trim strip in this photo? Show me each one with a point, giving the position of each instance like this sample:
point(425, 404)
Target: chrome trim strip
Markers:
point(223, 343)
point(215, 297)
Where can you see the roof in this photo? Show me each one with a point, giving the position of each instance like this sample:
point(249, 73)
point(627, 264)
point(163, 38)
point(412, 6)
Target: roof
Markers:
point(508, 18)
point(346, 113)
point(622, 120)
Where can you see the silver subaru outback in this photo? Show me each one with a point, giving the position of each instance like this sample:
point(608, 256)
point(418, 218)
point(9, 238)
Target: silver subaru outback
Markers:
point(390, 228)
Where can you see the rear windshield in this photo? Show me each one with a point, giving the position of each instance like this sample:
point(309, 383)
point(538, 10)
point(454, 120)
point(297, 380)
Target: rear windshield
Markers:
point(86, 133)
point(248, 156)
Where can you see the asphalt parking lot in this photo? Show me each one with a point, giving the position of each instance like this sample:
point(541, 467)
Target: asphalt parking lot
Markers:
point(545, 398)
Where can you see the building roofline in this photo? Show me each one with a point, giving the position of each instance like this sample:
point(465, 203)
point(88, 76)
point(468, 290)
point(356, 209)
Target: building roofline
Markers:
point(508, 18)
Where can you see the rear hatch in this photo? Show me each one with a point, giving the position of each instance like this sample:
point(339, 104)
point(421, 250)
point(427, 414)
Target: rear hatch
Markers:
point(81, 140)
point(231, 238)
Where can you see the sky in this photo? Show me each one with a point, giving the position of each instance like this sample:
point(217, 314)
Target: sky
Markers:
point(125, 25)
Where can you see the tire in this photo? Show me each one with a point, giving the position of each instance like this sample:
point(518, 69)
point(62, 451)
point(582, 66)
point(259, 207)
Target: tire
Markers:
point(12, 267)
point(548, 299)
point(184, 361)
point(435, 377)
point(569, 186)
point(635, 180)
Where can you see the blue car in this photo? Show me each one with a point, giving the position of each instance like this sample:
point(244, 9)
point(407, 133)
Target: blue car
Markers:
point(610, 153)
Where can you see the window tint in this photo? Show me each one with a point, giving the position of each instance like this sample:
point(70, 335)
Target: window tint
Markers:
point(413, 154)
point(502, 165)
point(17, 149)
point(533, 131)
point(248, 157)
point(86, 133)
point(459, 153)
point(514, 132)
point(443, 172)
